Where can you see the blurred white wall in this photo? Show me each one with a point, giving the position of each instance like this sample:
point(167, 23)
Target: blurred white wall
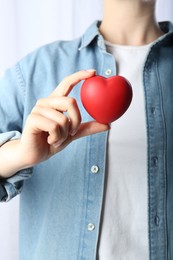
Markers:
point(24, 26)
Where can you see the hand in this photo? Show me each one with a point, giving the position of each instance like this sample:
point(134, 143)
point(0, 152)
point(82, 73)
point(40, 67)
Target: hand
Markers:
point(48, 130)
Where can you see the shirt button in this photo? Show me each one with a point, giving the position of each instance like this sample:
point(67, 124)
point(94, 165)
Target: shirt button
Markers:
point(94, 169)
point(155, 161)
point(99, 43)
point(157, 221)
point(108, 72)
point(153, 110)
point(91, 227)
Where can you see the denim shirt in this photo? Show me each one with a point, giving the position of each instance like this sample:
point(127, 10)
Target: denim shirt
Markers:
point(61, 198)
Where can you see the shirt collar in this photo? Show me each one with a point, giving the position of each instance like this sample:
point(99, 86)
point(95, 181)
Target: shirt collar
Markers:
point(91, 33)
point(167, 38)
point(166, 27)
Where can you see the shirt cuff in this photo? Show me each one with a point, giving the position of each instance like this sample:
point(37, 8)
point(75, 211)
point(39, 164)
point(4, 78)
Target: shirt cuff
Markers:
point(13, 185)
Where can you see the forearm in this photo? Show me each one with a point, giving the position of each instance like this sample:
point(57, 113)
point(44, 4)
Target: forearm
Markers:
point(11, 159)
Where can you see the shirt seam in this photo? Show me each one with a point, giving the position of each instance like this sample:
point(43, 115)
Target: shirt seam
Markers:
point(20, 79)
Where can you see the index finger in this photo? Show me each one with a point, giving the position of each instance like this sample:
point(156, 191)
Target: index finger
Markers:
point(66, 85)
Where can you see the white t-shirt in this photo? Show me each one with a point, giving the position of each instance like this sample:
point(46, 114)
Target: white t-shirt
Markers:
point(124, 229)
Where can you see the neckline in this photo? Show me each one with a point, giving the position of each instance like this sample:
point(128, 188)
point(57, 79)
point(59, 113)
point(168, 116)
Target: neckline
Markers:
point(129, 47)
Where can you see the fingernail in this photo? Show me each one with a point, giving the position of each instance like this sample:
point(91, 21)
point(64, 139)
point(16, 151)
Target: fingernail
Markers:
point(91, 70)
point(73, 132)
point(57, 144)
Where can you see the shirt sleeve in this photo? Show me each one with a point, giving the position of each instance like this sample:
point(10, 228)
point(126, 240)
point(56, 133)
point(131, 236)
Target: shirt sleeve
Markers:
point(12, 98)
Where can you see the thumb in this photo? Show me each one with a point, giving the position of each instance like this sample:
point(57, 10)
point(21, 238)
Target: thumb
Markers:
point(90, 128)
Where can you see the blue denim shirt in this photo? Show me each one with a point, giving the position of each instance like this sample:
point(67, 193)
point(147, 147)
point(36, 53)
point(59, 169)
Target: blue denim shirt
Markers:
point(61, 199)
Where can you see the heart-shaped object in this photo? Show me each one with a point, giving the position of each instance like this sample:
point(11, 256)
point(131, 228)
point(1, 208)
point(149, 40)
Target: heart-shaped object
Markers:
point(106, 99)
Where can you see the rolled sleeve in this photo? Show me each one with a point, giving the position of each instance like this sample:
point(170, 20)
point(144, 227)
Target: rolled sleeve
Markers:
point(11, 187)
point(12, 135)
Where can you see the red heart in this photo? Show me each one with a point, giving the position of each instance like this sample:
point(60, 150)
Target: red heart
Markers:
point(106, 99)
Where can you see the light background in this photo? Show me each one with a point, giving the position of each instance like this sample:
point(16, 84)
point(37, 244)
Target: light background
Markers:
point(24, 26)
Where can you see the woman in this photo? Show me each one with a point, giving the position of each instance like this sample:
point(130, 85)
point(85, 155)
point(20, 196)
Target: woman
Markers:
point(108, 195)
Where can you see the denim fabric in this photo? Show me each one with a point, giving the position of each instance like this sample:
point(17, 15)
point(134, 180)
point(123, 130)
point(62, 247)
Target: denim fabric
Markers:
point(62, 197)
